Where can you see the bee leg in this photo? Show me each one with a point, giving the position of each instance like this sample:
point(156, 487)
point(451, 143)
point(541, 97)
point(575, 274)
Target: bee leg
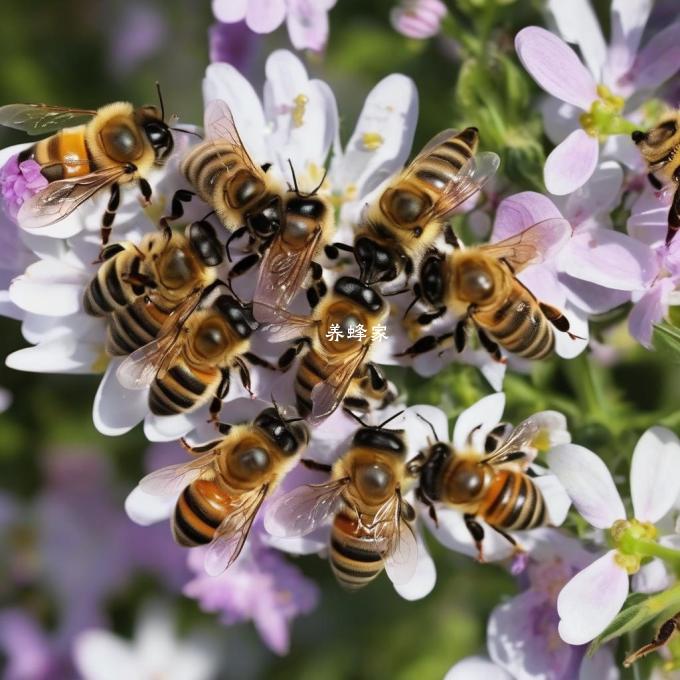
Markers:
point(332, 250)
point(318, 288)
point(660, 639)
point(235, 235)
point(176, 209)
point(200, 448)
point(223, 428)
point(286, 359)
point(450, 237)
point(357, 404)
point(424, 345)
point(477, 533)
point(139, 280)
point(244, 374)
point(460, 336)
point(376, 376)
point(244, 264)
point(313, 465)
point(674, 213)
point(656, 184)
point(490, 346)
point(558, 320)
point(110, 213)
point(431, 511)
point(508, 538)
point(221, 393)
point(145, 190)
point(429, 317)
point(257, 361)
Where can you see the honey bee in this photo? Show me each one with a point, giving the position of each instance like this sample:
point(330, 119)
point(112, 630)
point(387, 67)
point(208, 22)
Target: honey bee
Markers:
point(286, 228)
point(189, 363)
point(222, 490)
point(338, 337)
point(403, 223)
point(119, 145)
point(371, 527)
point(137, 286)
point(494, 487)
point(660, 147)
point(480, 285)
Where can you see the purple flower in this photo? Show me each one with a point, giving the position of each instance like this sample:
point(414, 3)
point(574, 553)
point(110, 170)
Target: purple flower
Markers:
point(307, 20)
point(261, 586)
point(18, 182)
point(591, 96)
point(233, 44)
point(29, 652)
point(418, 19)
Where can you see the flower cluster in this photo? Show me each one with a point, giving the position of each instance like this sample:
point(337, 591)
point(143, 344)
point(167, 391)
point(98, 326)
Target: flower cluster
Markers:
point(284, 370)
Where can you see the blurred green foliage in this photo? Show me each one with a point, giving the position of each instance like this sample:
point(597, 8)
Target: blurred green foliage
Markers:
point(62, 53)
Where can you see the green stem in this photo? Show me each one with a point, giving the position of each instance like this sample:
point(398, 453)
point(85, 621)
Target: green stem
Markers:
point(646, 548)
point(666, 600)
point(586, 386)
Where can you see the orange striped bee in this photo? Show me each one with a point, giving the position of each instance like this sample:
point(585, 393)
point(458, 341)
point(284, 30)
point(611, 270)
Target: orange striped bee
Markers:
point(371, 522)
point(118, 146)
point(223, 488)
point(494, 487)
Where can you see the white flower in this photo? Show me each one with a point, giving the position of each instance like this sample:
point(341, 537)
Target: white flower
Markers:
point(592, 598)
point(155, 652)
point(469, 434)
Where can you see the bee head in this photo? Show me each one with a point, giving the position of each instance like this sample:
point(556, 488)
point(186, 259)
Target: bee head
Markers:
point(388, 441)
point(289, 435)
point(238, 316)
point(359, 293)
point(377, 263)
point(205, 243)
point(156, 130)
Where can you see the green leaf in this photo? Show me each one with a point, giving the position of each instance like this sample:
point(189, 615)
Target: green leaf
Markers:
point(666, 339)
point(636, 613)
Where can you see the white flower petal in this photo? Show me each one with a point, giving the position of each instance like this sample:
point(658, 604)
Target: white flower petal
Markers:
point(423, 580)
point(390, 112)
point(577, 23)
point(223, 81)
point(476, 668)
point(146, 509)
point(64, 354)
point(229, 11)
point(169, 428)
point(652, 577)
point(599, 195)
point(478, 420)
point(591, 599)
point(117, 410)
point(566, 346)
point(559, 118)
point(655, 474)
point(557, 500)
point(571, 163)
point(435, 416)
point(588, 482)
point(303, 112)
point(101, 655)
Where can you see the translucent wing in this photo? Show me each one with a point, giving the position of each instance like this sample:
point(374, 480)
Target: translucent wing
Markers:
point(232, 533)
point(39, 119)
point(282, 274)
point(436, 141)
point(327, 395)
point(395, 540)
point(304, 509)
point(140, 369)
point(61, 197)
point(170, 480)
point(470, 179)
point(282, 325)
point(520, 438)
point(531, 246)
point(220, 127)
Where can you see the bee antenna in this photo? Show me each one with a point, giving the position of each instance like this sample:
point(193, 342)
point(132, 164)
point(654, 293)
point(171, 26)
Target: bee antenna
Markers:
point(187, 132)
point(318, 186)
point(353, 415)
point(292, 171)
point(427, 422)
point(390, 419)
point(160, 99)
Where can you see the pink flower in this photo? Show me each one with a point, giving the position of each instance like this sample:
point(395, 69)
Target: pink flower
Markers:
point(307, 20)
point(592, 598)
point(18, 182)
point(418, 19)
point(590, 96)
point(261, 586)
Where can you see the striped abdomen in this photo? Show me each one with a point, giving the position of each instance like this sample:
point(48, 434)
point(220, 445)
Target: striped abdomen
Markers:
point(200, 509)
point(63, 155)
point(313, 369)
point(108, 291)
point(183, 388)
point(219, 176)
point(134, 326)
point(352, 554)
point(513, 502)
point(436, 170)
point(519, 325)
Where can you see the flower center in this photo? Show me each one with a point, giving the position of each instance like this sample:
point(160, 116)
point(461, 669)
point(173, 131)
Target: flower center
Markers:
point(298, 111)
point(626, 535)
point(604, 117)
point(372, 140)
